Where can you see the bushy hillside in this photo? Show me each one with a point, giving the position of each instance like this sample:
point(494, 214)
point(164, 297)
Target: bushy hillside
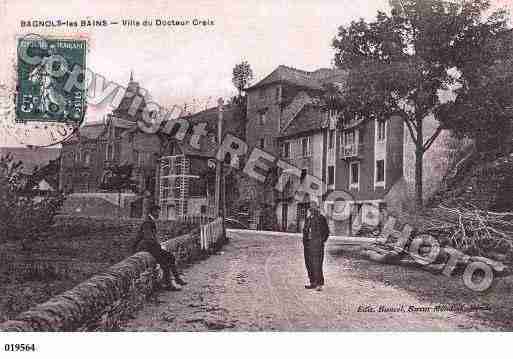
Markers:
point(481, 183)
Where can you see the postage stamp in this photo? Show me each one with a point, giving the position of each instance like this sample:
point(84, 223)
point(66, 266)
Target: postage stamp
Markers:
point(46, 67)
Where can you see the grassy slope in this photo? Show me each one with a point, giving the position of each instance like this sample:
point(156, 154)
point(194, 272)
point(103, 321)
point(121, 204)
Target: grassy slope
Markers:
point(58, 262)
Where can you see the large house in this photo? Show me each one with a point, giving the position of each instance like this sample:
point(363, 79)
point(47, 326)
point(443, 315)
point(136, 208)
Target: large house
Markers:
point(167, 172)
point(273, 106)
point(363, 157)
point(183, 186)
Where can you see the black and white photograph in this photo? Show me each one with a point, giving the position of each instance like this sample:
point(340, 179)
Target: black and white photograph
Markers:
point(242, 167)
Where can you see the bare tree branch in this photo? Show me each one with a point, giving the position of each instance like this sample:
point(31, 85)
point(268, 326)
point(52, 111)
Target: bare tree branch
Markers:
point(432, 139)
point(409, 124)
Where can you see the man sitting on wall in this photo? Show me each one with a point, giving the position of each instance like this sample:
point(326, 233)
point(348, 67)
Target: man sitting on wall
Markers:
point(146, 241)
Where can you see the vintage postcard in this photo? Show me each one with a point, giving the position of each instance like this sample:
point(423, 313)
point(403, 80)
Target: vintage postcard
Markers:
point(259, 166)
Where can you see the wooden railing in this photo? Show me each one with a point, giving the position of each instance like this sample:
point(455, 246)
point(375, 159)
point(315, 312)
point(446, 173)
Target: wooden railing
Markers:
point(351, 150)
point(201, 220)
point(211, 234)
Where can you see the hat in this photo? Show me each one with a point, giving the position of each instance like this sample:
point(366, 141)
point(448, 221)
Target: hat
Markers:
point(154, 208)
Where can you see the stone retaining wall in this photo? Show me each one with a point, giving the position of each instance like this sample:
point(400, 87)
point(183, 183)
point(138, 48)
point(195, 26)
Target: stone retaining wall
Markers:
point(106, 299)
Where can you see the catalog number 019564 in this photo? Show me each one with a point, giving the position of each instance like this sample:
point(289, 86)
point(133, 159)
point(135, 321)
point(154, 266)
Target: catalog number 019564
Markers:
point(20, 347)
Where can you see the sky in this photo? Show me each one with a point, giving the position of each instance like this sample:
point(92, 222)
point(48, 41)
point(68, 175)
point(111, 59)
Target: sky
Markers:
point(191, 64)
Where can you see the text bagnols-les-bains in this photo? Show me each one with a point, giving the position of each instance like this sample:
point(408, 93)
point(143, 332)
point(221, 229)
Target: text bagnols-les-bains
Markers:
point(124, 22)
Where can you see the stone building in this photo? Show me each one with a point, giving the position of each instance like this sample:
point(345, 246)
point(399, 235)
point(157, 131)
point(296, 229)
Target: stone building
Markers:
point(166, 172)
point(366, 158)
point(88, 155)
point(184, 171)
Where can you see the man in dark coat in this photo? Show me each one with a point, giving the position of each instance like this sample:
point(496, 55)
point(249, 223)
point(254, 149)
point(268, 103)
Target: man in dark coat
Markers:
point(315, 235)
point(146, 241)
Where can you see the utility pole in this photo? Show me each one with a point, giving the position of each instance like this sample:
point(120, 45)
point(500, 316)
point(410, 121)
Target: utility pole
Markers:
point(219, 164)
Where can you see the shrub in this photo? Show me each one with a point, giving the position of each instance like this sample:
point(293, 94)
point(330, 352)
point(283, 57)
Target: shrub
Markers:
point(24, 213)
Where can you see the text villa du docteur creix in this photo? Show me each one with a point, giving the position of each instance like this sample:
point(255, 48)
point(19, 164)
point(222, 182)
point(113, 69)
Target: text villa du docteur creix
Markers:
point(123, 22)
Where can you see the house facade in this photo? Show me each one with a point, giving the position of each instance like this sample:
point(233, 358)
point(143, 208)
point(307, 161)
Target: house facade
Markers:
point(167, 172)
point(185, 173)
point(88, 155)
point(362, 157)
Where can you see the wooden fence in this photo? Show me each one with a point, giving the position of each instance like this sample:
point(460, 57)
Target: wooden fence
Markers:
point(201, 220)
point(211, 234)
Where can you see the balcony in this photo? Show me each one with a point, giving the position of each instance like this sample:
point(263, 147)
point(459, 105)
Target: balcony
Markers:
point(352, 123)
point(353, 150)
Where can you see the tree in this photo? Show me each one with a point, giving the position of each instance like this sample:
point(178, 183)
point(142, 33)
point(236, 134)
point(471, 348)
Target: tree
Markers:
point(242, 76)
point(483, 108)
point(404, 62)
point(25, 213)
point(118, 178)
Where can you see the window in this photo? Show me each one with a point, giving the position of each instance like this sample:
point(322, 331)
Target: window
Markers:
point(197, 187)
point(304, 172)
point(381, 130)
point(285, 149)
point(87, 158)
point(76, 156)
point(117, 151)
point(262, 118)
point(301, 210)
point(380, 172)
point(354, 175)
point(261, 94)
point(306, 149)
point(117, 132)
point(140, 159)
point(349, 138)
point(331, 139)
point(278, 93)
point(109, 153)
point(262, 143)
point(331, 175)
point(349, 145)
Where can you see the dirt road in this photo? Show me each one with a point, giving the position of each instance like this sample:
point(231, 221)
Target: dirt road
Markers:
point(257, 283)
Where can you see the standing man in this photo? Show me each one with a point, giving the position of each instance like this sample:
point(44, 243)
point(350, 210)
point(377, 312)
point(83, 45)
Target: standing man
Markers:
point(146, 241)
point(315, 235)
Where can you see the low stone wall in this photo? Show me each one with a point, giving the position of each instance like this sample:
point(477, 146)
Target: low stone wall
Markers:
point(106, 299)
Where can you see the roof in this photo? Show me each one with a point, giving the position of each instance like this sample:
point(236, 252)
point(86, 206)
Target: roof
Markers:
point(310, 118)
point(231, 124)
point(312, 80)
point(43, 185)
point(292, 110)
point(133, 89)
point(92, 131)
